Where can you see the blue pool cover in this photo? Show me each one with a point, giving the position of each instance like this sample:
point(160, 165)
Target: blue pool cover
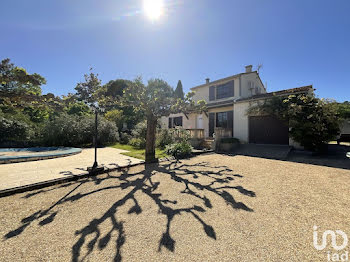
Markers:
point(46, 153)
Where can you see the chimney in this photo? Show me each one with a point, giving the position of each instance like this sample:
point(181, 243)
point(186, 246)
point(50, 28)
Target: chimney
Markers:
point(207, 80)
point(248, 68)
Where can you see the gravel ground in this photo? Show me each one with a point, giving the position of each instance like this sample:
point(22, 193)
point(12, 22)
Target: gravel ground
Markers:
point(208, 208)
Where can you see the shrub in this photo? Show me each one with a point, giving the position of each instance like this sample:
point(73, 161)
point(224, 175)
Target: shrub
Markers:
point(115, 116)
point(313, 122)
point(124, 137)
point(107, 132)
point(72, 130)
point(179, 150)
point(137, 138)
point(139, 143)
point(180, 134)
point(11, 129)
point(164, 138)
point(140, 130)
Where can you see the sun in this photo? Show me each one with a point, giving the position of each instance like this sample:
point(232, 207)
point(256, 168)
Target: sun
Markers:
point(153, 8)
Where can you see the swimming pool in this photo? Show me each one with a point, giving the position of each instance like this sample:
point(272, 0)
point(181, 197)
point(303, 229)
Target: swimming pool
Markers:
point(15, 155)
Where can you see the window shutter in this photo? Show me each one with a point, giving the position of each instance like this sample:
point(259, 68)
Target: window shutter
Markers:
point(230, 120)
point(169, 125)
point(211, 124)
point(211, 93)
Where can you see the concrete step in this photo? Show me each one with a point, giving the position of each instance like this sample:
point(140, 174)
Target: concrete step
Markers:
point(208, 143)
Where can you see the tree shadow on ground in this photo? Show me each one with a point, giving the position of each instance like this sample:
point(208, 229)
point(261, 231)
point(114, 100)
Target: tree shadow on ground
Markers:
point(218, 182)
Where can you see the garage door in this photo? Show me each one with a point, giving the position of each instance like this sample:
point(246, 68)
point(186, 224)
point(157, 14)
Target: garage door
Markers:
point(267, 130)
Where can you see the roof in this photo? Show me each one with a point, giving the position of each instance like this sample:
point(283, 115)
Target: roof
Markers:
point(297, 90)
point(225, 79)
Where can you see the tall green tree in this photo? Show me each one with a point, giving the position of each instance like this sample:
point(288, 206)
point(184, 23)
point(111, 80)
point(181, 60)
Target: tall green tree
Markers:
point(16, 79)
point(179, 92)
point(156, 99)
point(115, 88)
point(109, 94)
point(87, 91)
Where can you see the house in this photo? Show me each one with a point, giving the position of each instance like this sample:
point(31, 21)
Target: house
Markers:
point(227, 101)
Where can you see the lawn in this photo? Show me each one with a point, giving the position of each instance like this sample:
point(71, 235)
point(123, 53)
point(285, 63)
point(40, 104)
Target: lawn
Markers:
point(137, 153)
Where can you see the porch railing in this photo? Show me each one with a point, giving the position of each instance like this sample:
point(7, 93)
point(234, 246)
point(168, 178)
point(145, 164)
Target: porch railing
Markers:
point(223, 132)
point(196, 133)
point(192, 133)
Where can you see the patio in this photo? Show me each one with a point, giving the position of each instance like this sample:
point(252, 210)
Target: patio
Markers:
point(208, 208)
point(27, 173)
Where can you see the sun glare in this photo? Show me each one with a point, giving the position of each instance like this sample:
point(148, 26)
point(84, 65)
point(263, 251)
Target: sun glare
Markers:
point(153, 8)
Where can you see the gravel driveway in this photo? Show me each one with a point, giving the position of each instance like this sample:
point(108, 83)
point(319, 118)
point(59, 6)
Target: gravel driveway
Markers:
point(208, 208)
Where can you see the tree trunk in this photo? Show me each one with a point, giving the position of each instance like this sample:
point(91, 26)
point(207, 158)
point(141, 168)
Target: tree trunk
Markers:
point(151, 139)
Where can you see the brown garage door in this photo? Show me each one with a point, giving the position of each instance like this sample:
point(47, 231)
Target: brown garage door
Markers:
point(267, 130)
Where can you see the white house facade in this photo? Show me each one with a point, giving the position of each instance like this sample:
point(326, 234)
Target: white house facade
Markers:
point(228, 100)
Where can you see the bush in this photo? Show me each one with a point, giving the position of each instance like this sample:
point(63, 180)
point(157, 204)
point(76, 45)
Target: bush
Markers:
point(107, 132)
point(164, 138)
point(124, 137)
point(180, 134)
point(139, 143)
point(179, 150)
point(229, 140)
point(313, 122)
point(140, 130)
point(72, 130)
point(115, 116)
point(11, 129)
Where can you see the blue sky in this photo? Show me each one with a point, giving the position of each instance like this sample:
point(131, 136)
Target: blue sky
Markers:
point(298, 42)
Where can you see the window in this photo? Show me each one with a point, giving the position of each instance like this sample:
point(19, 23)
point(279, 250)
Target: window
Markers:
point(225, 90)
point(178, 121)
point(175, 121)
point(221, 120)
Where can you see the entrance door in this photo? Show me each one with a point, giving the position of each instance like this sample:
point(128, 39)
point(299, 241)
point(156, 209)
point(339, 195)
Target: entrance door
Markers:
point(200, 122)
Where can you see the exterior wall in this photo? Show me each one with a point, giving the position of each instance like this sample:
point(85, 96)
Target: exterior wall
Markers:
point(240, 119)
point(205, 125)
point(189, 123)
point(240, 122)
point(245, 88)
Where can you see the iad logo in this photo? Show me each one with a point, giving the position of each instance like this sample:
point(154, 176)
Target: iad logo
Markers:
point(333, 237)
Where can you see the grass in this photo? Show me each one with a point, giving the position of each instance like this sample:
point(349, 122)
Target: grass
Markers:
point(137, 153)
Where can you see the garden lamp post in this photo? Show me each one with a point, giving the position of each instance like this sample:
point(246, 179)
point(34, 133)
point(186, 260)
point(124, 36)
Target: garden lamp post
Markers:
point(95, 168)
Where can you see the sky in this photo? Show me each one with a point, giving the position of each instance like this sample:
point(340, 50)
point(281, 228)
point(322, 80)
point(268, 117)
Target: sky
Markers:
point(298, 42)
